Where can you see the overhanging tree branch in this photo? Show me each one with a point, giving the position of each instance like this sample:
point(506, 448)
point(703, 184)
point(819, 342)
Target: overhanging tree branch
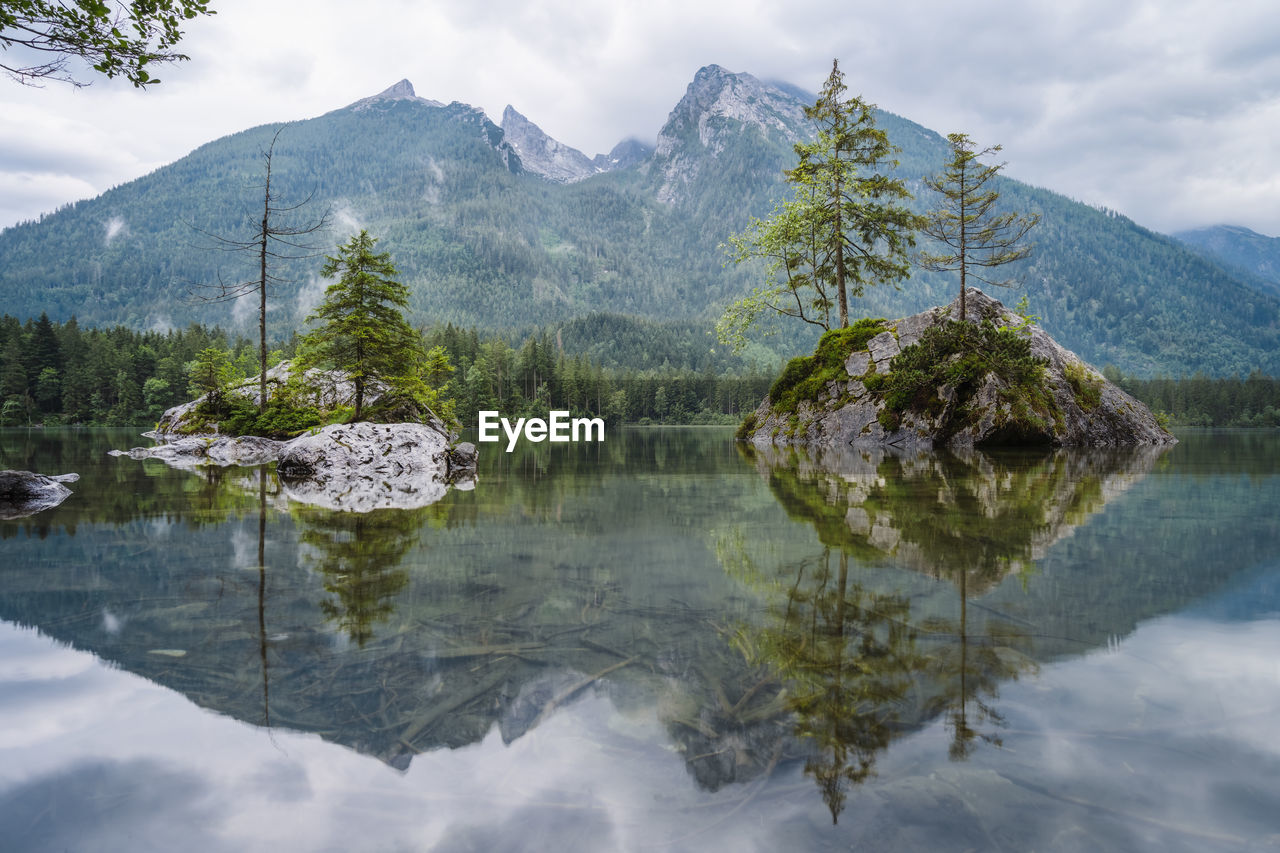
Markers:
point(40, 38)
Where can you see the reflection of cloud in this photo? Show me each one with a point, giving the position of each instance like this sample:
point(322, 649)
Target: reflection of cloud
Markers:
point(111, 623)
point(110, 803)
point(1173, 730)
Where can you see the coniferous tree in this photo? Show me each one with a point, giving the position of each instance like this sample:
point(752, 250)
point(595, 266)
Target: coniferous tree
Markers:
point(974, 237)
point(867, 230)
point(845, 226)
point(362, 328)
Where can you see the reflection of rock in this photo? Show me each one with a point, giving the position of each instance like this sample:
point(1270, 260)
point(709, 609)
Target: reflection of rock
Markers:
point(356, 467)
point(192, 452)
point(1073, 405)
point(361, 467)
point(940, 512)
point(23, 493)
point(359, 492)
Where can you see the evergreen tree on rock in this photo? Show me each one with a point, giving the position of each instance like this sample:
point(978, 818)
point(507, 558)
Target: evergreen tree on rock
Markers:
point(362, 329)
point(972, 237)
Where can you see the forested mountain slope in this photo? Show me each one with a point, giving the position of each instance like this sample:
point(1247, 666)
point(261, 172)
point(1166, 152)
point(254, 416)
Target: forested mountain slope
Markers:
point(483, 239)
point(1240, 250)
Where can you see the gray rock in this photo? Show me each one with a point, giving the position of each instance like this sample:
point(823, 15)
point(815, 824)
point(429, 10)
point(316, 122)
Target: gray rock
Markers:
point(353, 467)
point(542, 155)
point(910, 329)
point(858, 363)
point(883, 347)
point(462, 462)
point(361, 467)
point(1071, 417)
point(24, 493)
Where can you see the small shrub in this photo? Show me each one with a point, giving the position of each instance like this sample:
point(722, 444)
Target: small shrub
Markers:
point(836, 345)
point(796, 370)
point(1087, 389)
point(280, 419)
point(959, 355)
point(746, 428)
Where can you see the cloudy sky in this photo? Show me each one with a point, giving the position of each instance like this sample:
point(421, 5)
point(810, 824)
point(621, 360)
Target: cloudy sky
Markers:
point(1166, 111)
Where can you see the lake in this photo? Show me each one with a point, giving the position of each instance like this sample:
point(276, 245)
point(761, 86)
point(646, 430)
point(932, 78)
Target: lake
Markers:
point(665, 641)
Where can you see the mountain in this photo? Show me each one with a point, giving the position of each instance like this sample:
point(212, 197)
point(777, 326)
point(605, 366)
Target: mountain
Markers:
point(1241, 250)
point(503, 227)
point(543, 155)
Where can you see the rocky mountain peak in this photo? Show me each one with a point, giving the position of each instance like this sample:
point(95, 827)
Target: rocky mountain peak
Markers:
point(717, 106)
point(541, 154)
point(716, 93)
point(403, 89)
point(400, 91)
point(626, 153)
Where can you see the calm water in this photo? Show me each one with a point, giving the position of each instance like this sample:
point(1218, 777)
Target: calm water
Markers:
point(659, 643)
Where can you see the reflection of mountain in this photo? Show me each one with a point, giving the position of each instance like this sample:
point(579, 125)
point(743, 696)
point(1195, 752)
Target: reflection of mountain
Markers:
point(621, 568)
point(397, 631)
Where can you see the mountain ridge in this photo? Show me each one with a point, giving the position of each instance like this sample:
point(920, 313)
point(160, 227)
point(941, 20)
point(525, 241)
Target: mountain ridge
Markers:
point(1239, 249)
point(483, 238)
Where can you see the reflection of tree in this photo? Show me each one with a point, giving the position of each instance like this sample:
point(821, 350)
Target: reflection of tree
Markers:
point(988, 515)
point(359, 555)
point(966, 664)
point(848, 657)
point(262, 589)
point(850, 653)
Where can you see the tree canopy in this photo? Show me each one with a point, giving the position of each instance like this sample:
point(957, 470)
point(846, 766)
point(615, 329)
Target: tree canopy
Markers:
point(40, 38)
point(844, 227)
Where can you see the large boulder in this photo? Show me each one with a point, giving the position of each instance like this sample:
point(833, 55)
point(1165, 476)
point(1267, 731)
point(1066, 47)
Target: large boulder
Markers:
point(23, 493)
point(355, 467)
point(1071, 405)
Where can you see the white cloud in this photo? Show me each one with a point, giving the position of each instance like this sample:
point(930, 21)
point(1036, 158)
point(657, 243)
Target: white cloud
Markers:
point(112, 228)
point(1163, 111)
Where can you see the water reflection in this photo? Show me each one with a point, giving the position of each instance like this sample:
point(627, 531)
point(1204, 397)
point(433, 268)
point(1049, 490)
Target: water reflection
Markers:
point(970, 517)
point(861, 661)
point(781, 629)
point(359, 555)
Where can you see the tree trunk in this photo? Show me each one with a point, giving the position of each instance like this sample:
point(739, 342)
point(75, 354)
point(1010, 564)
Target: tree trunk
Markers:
point(839, 235)
point(262, 292)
